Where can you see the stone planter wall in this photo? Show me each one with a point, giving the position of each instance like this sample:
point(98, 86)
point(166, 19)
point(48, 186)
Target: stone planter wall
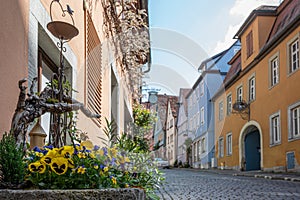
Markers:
point(91, 194)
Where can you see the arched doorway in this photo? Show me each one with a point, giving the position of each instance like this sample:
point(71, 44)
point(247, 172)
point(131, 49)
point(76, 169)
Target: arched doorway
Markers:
point(250, 147)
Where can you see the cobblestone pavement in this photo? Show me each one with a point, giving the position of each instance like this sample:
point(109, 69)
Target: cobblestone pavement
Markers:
point(190, 185)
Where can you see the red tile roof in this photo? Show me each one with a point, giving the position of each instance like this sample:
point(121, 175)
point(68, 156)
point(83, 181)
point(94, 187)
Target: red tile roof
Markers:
point(287, 12)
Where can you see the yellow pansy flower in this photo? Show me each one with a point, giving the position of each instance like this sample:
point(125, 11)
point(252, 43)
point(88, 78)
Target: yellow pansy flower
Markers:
point(59, 165)
point(113, 152)
point(88, 144)
point(66, 151)
point(100, 152)
point(105, 169)
point(92, 155)
point(81, 170)
point(39, 154)
point(81, 155)
point(37, 167)
point(114, 180)
point(96, 166)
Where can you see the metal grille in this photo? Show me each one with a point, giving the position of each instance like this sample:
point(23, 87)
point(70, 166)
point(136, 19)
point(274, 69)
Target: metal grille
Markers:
point(93, 69)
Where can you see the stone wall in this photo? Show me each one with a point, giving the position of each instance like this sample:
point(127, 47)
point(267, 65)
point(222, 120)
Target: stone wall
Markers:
point(101, 194)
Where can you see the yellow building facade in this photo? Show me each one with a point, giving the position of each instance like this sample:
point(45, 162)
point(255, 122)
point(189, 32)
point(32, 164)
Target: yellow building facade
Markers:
point(261, 101)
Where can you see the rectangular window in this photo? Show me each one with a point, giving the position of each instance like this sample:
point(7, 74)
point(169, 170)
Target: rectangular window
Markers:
point(203, 145)
point(294, 121)
point(202, 116)
point(275, 135)
point(252, 89)
point(274, 71)
point(229, 104)
point(239, 94)
point(195, 152)
point(93, 69)
point(221, 147)
point(249, 44)
point(229, 144)
point(199, 151)
point(221, 111)
point(294, 55)
point(201, 88)
point(171, 123)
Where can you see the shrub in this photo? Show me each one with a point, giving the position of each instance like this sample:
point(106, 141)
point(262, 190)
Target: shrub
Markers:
point(11, 161)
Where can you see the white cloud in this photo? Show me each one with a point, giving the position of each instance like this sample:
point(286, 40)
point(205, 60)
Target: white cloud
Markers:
point(228, 40)
point(244, 7)
point(240, 10)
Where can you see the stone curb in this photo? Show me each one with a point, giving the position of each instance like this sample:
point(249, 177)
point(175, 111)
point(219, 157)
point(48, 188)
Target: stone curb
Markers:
point(270, 177)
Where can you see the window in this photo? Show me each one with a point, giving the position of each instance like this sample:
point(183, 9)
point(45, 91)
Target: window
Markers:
point(201, 88)
point(199, 150)
point(171, 123)
point(294, 121)
point(294, 55)
point(275, 132)
point(202, 115)
point(203, 145)
point(195, 152)
point(229, 104)
point(198, 119)
point(46, 68)
point(252, 89)
point(249, 44)
point(93, 69)
point(239, 94)
point(221, 147)
point(221, 111)
point(229, 144)
point(274, 71)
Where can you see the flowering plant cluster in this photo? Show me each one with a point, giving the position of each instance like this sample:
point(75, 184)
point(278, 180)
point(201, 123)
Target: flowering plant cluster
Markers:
point(79, 167)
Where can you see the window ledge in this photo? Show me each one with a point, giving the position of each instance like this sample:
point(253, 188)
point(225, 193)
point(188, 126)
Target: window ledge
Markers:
point(275, 144)
point(294, 139)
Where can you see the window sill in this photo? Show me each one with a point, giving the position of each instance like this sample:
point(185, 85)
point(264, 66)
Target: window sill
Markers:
point(275, 144)
point(294, 139)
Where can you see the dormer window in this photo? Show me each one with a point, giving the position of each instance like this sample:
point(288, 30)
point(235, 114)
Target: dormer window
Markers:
point(249, 44)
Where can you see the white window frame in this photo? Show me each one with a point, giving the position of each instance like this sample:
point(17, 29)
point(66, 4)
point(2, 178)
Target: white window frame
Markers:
point(203, 145)
point(293, 56)
point(274, 63)
point(221, 147)
point(292, 119)
point(275, 129)
point(221, 110)
point(199, 150)
point(229, 104)
point(202, 118)
point(239, 93)
point(198, 119)
point(251, 88)
point(229, 144)
point(201, 88)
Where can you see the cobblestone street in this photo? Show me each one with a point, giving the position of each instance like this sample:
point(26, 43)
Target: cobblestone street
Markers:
point(190, 184)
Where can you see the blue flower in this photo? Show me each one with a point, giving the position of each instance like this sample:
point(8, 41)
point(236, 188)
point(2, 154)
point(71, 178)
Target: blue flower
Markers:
point(102, 166)
point(37, 149)
point(96, 147)
point(113, 161)
point(49, 147)
point(105, 151)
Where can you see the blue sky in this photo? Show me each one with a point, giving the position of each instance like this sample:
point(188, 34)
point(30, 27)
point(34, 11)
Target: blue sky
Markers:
point(185, 32)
